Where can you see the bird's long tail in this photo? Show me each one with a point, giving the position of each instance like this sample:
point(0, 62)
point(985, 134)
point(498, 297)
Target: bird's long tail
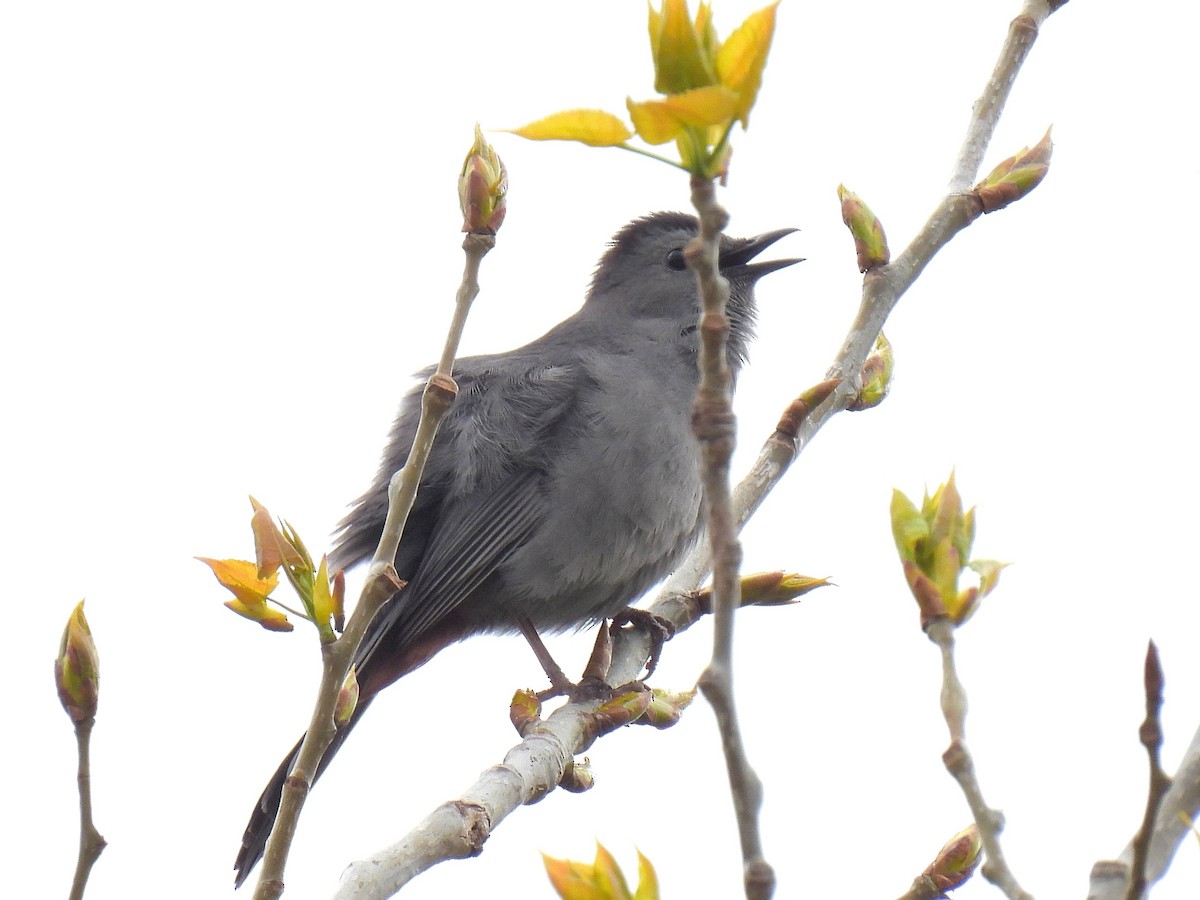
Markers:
point(385, 656)
point(262, 820)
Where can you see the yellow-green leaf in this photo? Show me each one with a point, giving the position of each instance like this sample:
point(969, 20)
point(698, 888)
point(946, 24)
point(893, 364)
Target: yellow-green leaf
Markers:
point(609, 877)
point(250, 591)
point(593, 127)
point(908, 525)
point(658, 121)
point(988, 571)
point(325, 603)
point(680, 62)
point(653, 121)
point(647, 888)
point(743, 56)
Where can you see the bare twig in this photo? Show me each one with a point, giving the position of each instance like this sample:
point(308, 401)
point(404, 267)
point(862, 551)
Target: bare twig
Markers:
point(1151, 737)
point(959, 763)
point(714, 426)
point(1170, 804)
point(1179, 805)
point(380, 586)
point(91, 842)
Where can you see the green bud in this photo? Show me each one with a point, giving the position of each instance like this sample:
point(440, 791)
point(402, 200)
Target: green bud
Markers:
point(77, 668)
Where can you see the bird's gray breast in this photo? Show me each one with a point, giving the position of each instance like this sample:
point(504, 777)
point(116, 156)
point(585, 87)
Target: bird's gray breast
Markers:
point(623, 497)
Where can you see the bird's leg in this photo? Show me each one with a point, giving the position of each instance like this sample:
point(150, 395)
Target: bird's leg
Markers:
point(560, 684)
point(659, 629)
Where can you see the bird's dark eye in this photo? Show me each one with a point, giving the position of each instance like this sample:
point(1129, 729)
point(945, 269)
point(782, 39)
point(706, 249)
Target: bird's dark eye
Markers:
point(675, 260)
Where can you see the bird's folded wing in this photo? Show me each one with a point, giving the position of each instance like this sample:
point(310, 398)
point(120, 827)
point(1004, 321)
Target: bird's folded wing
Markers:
point(469, 543)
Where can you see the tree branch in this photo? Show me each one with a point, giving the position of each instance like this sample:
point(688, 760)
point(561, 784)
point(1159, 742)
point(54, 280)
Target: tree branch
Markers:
point(1179, 805)
point(381, 584)
point(91, 842)
point(715, 427)
point(959, 763)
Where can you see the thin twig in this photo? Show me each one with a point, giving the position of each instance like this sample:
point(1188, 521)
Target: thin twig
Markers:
point(381, 584)
point(713, 423)
point(1151, 736)
point(1179, 806)
point(959, 763)
point(91, 842)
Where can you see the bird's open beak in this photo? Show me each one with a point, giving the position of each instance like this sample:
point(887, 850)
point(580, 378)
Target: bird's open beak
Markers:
point(735, 257)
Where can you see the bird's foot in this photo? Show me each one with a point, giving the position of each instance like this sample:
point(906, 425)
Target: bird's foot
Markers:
point(660, 630)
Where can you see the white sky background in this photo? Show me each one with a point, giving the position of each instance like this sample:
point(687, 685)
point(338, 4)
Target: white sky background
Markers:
point(228, 233)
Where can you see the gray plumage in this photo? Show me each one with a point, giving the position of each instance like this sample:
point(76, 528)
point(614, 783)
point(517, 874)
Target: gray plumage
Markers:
point(564, 480)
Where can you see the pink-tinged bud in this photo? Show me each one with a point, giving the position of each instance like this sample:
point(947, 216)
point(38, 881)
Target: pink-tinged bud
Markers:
point(77, 668)
point(525, 711)
point(666, 707)
point(956, 862)
point(876, 376)
point(578, 777)
point(618, 711)
point(1016, 176)
point(347, 700)
point(870, 243)
point(482, 188)
point(271, 549)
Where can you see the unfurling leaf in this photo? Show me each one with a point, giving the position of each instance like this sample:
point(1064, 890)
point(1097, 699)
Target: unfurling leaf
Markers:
point(659, 121)
point(934, 544)
point(250, 591)
point(593, 127)
point(682, 56)
point(271, 548)
point(707, 86)
point(602, 880)
point(743, 57)
point(327, 609)
point(1016, 177)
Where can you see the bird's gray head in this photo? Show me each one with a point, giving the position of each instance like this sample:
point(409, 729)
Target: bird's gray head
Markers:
point(644, 275)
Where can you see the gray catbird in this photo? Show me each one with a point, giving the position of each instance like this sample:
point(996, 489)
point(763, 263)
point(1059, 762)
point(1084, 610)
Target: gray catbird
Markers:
point(564, 481)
